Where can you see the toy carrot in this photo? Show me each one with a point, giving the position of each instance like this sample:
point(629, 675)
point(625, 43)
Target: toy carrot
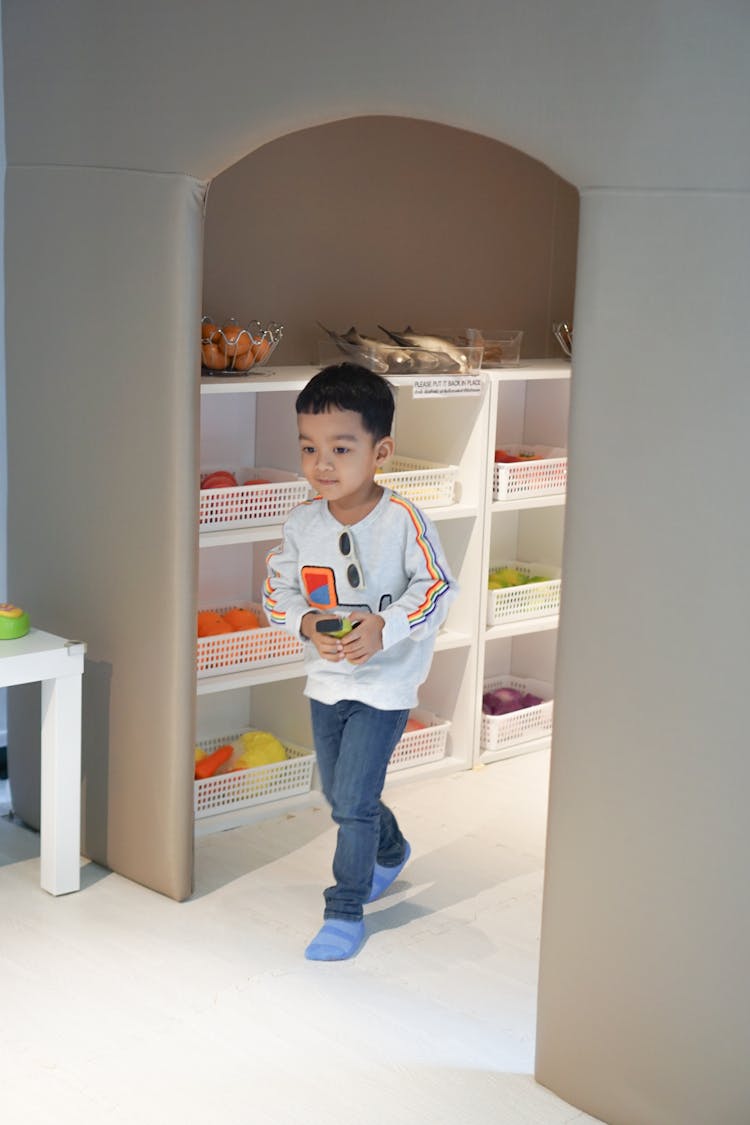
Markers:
point(209, 765)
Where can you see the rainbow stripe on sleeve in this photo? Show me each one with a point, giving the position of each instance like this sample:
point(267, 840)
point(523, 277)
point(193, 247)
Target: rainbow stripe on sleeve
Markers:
point(440, 584)
point(275, 616)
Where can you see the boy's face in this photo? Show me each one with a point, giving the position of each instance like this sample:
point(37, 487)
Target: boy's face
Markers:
point(339, 457)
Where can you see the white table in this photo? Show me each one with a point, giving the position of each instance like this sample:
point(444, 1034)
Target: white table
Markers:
point(58, 665)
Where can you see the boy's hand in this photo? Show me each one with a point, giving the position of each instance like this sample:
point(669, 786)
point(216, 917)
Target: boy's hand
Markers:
point(365, 640)
point(328, 646)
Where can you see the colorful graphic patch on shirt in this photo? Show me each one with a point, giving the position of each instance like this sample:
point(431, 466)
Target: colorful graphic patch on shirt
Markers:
point(319, 583)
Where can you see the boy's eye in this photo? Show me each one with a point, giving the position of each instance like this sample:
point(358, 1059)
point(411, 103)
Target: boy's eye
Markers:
point(340, 449)
point(307, 449)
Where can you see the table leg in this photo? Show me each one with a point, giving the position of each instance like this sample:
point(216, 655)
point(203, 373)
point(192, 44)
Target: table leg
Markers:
point(60, 821)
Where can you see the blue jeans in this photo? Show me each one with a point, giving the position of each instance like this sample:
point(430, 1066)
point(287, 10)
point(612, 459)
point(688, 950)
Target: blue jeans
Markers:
point(353, 744)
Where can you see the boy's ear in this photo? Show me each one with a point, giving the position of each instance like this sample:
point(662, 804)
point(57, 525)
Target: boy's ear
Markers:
point(384, 449)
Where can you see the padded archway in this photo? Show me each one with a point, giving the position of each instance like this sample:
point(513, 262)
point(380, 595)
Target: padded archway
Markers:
point(116, 120)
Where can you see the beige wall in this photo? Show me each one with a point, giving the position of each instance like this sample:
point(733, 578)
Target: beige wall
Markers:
point(386, 220)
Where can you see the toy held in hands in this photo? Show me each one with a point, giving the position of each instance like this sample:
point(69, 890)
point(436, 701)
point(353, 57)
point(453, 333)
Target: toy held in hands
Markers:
point(335, 626)
point(14, 622)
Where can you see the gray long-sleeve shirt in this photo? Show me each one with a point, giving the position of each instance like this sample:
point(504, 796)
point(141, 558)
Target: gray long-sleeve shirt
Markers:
point(406, 580)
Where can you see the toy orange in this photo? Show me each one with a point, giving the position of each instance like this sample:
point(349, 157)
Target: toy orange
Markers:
point(238, 618)
point(413, 724)
point(211, 624)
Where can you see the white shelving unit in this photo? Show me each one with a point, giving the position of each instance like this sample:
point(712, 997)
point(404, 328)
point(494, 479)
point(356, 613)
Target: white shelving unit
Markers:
point(250, 420)
point(529, 405)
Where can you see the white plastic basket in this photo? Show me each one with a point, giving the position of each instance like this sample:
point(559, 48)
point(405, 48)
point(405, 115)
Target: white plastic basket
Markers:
point(419, 746)
point(499, 732)
point(246, 648)
point(535, 599)
point(426, 483)
point(251, 504)
point(543, 475)
point(240, 788)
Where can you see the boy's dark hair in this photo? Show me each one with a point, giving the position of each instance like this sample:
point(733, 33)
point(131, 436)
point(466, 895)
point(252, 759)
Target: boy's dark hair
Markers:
point(347, 386)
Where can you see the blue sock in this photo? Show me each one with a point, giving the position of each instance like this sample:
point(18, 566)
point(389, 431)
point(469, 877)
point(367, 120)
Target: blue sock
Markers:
point(337, 940)
point(382, 877)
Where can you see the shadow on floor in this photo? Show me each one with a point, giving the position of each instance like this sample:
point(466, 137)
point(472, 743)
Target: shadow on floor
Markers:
point(223, 857)
point(19, 843)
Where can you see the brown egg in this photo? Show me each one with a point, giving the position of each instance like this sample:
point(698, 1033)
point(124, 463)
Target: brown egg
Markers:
point(245, 361)
point(213, 357)
point(208, 329)
point(234, 339)
point(261, 350)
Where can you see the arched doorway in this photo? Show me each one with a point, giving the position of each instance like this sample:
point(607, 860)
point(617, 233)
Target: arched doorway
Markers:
point(615, 102)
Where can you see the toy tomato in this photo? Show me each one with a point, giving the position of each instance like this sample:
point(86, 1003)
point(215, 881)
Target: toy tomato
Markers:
point(222, 478)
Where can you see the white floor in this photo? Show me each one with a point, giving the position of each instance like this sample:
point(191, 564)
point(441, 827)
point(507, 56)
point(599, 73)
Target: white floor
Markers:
point(120, 1005)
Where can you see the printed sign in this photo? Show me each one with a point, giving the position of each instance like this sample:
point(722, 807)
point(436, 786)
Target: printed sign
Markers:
point(445, 386)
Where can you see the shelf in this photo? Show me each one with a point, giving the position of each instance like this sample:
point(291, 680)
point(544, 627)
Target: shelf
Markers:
point(515, 750)
point(451, 512)
point(516, 628)
point(270, 673)
point(531, 369)
point(554, 501)
point(429, 769)
point(264, 379)
point(446, 640)
point(465, 437)
point(450, 639)
point(295, 378)
point(223, 822)
point(272, 532)
point(230, 535)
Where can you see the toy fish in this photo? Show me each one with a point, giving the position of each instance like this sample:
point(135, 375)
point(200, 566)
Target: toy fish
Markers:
point(380, 357)
point(451, 357)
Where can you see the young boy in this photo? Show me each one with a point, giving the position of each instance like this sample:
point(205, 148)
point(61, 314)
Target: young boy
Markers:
point(365, 555)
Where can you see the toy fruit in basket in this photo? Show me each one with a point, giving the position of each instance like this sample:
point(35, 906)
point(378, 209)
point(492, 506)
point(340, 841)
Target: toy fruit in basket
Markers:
point(505, 699)
point(506, 576)
point(212, 624)
point(238, 618)
point(14, 622)
point(221, 478)
point(502, 457)
point(412, 725)
point(259, 748)
point(208, 765)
